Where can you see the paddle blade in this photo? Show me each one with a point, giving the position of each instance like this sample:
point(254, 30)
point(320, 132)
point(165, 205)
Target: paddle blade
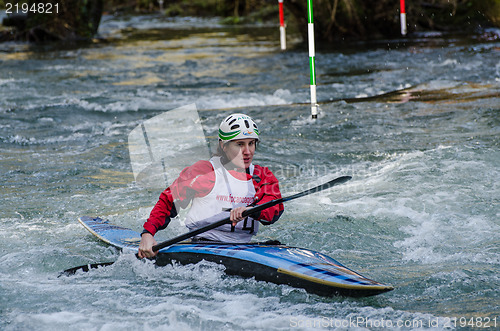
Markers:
point(84, 268)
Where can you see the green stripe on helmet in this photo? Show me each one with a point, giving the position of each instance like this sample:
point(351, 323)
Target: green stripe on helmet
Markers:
point(228, 135)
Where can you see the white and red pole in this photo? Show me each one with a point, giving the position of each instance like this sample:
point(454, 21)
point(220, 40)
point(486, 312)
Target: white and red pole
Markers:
point(402, 14)
point(282, 26)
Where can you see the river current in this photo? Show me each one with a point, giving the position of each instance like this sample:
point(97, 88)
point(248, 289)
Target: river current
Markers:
point(415, 121)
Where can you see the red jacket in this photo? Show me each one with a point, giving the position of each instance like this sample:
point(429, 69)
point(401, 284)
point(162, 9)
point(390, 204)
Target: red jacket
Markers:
point(198, 180)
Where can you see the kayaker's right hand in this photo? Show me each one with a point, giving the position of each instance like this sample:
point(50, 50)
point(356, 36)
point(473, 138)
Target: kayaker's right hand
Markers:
point(237, 215)
point(146, 246)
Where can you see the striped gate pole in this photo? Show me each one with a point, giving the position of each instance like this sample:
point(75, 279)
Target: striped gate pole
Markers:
point(402, 17)
point(282, 26)
point(312, 69)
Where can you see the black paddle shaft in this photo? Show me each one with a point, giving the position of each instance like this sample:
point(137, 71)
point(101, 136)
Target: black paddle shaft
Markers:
point(248, 212)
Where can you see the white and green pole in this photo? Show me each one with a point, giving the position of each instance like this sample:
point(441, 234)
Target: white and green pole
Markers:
point(310, 34)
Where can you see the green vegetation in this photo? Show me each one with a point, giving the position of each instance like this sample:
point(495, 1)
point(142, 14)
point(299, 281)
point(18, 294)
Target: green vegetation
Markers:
point(334, 19)
point(52, 20)
point(237, 10)
point(365, 19)
point(337, 19)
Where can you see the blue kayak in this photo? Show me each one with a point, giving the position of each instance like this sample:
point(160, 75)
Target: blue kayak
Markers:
point(280, 264)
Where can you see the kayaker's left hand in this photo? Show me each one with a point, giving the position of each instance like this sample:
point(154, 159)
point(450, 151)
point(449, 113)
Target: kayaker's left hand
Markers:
point(237, 215)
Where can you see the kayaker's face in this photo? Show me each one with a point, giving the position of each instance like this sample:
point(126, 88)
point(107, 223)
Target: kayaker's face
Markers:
point(240, 152)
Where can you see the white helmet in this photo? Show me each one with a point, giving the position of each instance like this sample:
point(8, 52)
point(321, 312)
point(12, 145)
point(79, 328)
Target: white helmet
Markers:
point(238, 126)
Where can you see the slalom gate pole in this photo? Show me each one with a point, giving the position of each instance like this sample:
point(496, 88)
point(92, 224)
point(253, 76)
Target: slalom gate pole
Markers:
point(402, 17)
point(282, 26)
point(310, 34)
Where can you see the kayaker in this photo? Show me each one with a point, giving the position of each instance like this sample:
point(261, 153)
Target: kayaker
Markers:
point(229, 180)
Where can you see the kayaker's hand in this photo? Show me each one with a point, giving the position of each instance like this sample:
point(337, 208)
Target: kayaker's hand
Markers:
point(237, 215)
point(146, 246)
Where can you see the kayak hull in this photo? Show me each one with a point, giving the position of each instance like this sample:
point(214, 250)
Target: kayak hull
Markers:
point(249, 269)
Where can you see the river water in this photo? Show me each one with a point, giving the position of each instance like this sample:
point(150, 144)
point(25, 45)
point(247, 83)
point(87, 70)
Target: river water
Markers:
point(415, 122)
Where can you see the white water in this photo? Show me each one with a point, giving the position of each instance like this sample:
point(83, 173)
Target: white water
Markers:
point(421, 212)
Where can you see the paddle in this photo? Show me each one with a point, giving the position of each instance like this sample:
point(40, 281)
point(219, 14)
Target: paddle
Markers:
point(250, 211)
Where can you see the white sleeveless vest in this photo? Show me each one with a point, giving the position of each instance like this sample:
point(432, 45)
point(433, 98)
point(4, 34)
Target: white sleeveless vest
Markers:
point(228, 192)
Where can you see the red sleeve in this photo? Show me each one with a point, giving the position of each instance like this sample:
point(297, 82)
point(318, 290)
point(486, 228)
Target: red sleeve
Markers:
point(194, 181)
point(267, 189)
